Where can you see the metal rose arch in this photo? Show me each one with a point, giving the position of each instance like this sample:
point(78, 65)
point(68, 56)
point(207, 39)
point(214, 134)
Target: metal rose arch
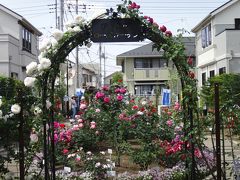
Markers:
point(79, 33)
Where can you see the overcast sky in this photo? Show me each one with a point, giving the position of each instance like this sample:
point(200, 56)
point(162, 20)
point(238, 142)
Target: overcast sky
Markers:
point(174, 14)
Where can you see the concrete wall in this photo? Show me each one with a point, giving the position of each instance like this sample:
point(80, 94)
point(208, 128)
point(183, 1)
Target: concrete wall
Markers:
point(9, 25)
point(12, 57)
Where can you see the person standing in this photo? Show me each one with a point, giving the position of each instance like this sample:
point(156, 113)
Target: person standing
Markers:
point(73, 106)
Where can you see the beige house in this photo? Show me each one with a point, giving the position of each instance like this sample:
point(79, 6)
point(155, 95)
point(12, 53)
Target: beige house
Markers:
point(18, 43)
point(146, 72)
point(218, 42)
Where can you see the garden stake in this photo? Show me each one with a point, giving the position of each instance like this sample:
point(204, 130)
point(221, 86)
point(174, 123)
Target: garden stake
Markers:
point(21, 137)
point(217, 123)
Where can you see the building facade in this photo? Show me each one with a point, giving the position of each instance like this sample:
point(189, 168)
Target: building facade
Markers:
point(18, 43)
point(146, 72)
point(218, 42)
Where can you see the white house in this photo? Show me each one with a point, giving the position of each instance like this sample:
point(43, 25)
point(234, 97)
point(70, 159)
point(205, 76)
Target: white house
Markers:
point(18, 43)
point(218, 42)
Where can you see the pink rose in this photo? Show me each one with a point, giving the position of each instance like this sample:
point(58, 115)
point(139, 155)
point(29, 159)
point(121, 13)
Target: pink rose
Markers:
point(119, 97)
point(55, 138)
point(105, 88)
point(106, 99)
point(83, 106)
point(169, 122)
point(99, 95)
point(177, 106)
point(78, 158)
point(117, 90)
point(92, 125)
point(80, 125)
point(123, 90)
point(80, 120)
point(56, 125)
point(97, 110)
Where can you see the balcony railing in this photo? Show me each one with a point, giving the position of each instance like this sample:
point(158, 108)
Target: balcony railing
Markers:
point(151, 74)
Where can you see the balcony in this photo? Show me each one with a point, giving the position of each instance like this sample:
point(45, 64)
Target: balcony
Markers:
point(227, 41)
point(145, 74)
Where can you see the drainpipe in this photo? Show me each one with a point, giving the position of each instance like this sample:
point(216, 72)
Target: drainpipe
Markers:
point(228, 59)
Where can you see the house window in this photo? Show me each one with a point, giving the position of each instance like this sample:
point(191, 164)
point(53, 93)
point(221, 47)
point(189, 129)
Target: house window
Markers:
point(150, 63)
point(206, 36)
point(26, 40)
point(14, 75)
point(237, 23)
point(90, 78)
point(212, 73)
point(222, 70)
point(143, 90)
point(204, 79)
point(123, 66)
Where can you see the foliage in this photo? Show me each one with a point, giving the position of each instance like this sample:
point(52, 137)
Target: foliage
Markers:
point(13, 91)
point(229, 90)
point(117, 78)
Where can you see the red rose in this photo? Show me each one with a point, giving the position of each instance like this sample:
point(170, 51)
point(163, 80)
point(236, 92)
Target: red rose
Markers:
point(191, 74)
point(190, 61)
point(145, 17)
point(135, 107)
point(62, 125)
point(150, 19)
point(168, 33)
point(163, 28)
point(65, 151)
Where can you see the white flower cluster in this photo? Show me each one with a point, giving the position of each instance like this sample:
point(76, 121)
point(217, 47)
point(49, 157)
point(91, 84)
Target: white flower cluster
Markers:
point(76, 24)
point(15, 109)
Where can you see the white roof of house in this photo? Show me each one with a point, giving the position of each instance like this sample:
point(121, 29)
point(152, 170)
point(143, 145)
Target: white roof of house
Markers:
point(213, 13)
point(21, 19)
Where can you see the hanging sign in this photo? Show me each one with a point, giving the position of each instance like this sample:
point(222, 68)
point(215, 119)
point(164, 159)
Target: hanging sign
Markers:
point(116, 30)
point(166, 97)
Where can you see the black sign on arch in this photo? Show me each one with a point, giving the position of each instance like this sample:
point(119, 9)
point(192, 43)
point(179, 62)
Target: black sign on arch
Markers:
point(116, 30)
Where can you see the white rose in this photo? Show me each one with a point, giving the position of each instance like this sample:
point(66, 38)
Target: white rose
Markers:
point(1, 113)
point(0, 102)
point(44, 64)
point(31, 68)
point(44, 44)
point(37, 110)
point(144, 103)
point(76, 29)
point(53, 42)
point(70, 29)
point(79, 19)
point(97, 164)
point(140, 113)
point(29, 81)
point(109, 151)
point(15, 109)
point(57, 34)
point(48, 104)
point(69, 24)
point(34, 138)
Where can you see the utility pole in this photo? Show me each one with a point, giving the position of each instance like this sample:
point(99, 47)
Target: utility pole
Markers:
point(56, 14)
point(77, 59)
point(104, 66)
point(100, 68)
point(61, 14)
